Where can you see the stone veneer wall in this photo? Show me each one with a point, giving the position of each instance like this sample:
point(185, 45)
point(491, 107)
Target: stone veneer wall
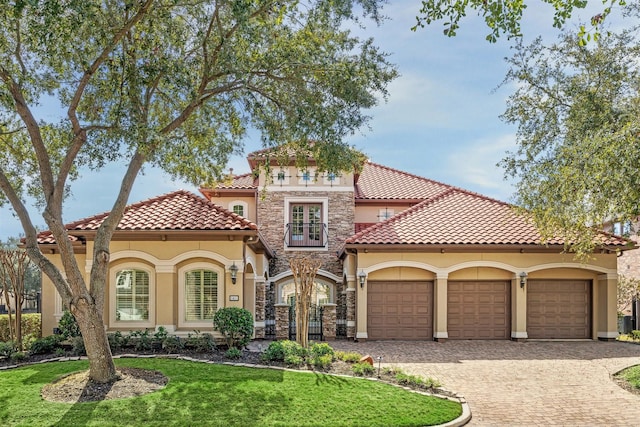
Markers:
point(340, 221)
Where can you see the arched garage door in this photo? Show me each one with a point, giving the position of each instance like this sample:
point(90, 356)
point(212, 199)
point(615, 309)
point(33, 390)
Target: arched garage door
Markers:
point(400, 310)
point(559, 309)
point(479, 310)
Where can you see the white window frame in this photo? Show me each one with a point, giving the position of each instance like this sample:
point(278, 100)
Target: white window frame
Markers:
point(336, 179)
point(245, 207)
point(150, 322)
point(385, 214)
point(182, 323)
point(312, 176)
point(288, 202)
point(285, 181)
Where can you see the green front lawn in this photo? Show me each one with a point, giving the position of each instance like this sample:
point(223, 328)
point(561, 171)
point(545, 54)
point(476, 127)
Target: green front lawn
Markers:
point(209, 394)
point(632, 376)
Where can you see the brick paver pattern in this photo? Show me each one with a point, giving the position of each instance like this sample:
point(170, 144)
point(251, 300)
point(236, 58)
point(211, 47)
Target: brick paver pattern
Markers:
point(543, 383)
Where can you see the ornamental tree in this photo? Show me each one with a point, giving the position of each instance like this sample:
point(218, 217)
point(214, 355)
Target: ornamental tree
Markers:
point(169, 83)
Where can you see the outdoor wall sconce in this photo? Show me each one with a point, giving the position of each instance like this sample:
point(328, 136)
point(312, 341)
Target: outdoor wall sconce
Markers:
point(234, 272)
point(523, 277)
point(362, 276)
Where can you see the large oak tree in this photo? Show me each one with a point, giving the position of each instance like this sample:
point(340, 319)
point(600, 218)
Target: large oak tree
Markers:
point(170, 83)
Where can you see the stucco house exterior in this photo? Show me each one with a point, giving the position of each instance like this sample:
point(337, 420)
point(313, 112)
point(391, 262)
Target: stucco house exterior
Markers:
point(403, 257)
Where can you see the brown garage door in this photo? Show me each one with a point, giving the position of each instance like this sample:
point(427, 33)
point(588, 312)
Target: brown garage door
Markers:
point(400, 310)
point(559, 309)
point(479, 310)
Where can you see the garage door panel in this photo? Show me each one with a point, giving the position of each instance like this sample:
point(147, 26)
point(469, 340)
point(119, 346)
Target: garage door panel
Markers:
point(479, 310)
point(559, 309)
point(400, 310)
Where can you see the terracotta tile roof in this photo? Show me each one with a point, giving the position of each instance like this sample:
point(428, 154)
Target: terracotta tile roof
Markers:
point(457, 217)
point(383, 183)
point(179, 210)
point(359, 226)
point(246, 181)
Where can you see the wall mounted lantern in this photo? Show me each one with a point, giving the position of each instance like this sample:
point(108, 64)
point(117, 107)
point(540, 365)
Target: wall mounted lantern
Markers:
point(362, 276)
point(234, 272)
point(523, 277)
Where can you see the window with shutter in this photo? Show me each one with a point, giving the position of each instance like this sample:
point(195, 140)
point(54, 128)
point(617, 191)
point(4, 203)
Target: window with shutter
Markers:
point(200, 295)
point(132, 295)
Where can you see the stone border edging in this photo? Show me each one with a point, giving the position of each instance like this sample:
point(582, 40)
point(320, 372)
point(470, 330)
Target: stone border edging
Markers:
point(460, 421)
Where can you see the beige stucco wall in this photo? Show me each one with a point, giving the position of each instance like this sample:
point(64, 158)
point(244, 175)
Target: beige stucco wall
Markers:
point(164, 260)
point(444, 267)
point(366, 213)
point(227, 202)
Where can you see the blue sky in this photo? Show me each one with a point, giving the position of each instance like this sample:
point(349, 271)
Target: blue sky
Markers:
point(441, 120)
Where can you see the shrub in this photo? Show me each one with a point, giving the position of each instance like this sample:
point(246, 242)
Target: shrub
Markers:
point(45, 345)
point(321, 349)
point(321, 362)
point(161, 334)
point(142, 341)
point(416, 381)
point(77, 346)
point(293, 360)
point(30, 326)
point(233, 353)
point(172, 344)
point(235, 324)
point(275, 351)
point(292, 348)
point(116, 341)
point(201, 343)
point(635, 334)
point(60, 352)
point(348, 356)
point(7, 348)
point(362, 369)
point(68, 325)
point(18, 356)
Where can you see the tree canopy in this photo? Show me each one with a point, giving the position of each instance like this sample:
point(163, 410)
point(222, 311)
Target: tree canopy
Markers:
point(504, 17)
point(577, 110)
point(171, 83)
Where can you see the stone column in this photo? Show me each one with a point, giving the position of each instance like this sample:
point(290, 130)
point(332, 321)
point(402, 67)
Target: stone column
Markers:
point(282, 321)
point(329, 322)
point(260, 310)
point(606, 313)
point(440, 328)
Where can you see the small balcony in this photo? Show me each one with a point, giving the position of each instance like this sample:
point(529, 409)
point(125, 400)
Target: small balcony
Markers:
point(306, 235)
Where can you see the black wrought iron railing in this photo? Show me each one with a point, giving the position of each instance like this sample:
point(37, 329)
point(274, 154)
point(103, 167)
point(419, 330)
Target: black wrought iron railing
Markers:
point(306, 235)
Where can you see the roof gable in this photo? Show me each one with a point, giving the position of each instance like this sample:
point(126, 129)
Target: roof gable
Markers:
point(179, 210)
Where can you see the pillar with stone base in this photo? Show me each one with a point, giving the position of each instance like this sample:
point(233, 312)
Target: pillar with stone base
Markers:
point(260, 310)
point(282, 321)
point(329, 322)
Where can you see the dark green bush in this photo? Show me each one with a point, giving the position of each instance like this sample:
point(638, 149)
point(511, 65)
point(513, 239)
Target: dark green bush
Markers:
point(275, 352)
point(18, 356)
point(68, 325)
point(235, 324)
point(200, 343)
point(116, 341)
point(233, 353)
point(142, 340)
point(77, 346)
point(321, 349)
point(7, 348)
point(30, 326)
point(46, 345)
point(172, 344)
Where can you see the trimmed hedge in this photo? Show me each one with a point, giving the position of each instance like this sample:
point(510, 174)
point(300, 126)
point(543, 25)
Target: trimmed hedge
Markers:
point(30, 326)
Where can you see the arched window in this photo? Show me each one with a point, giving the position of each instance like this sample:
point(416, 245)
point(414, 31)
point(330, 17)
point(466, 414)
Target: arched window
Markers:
point(322, 293)
point(200, 295)
point(131, 296)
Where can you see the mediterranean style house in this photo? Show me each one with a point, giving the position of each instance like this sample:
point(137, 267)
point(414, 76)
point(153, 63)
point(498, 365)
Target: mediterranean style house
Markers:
point(403, 257)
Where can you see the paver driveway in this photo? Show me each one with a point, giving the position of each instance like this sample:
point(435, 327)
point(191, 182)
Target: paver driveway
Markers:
point(523, 383)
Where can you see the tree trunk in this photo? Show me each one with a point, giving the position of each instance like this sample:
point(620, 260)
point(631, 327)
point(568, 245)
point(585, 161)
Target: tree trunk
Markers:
point(101, 366)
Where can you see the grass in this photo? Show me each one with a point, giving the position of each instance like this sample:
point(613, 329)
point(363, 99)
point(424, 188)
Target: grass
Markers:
point(632, 376)
point(211, 395)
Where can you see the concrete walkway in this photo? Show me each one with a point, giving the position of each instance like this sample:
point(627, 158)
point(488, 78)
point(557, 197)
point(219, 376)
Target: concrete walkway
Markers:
point(523, 384)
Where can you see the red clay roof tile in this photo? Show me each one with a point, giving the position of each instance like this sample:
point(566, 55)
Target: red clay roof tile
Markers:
point(457, 217)
point(179, 210)
point(384, 183)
